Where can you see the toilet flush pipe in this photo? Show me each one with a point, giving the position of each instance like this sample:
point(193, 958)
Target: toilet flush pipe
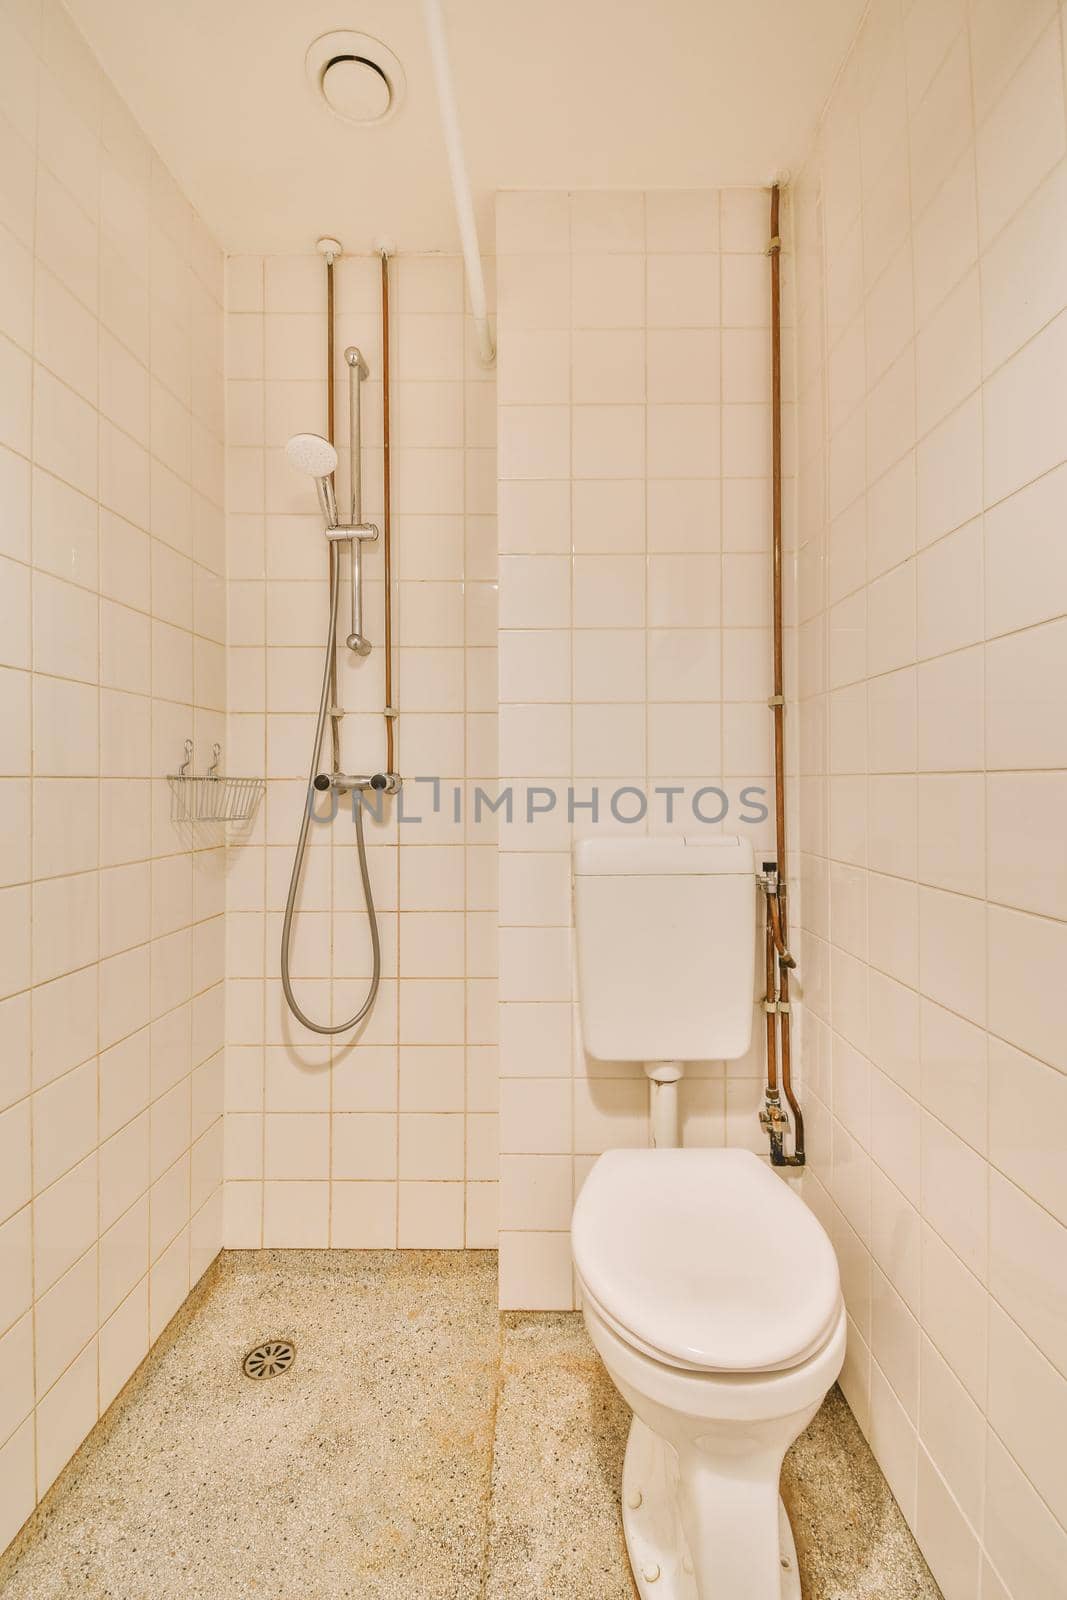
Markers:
point(457, 170)
point(665, 1118)
point(779, 961)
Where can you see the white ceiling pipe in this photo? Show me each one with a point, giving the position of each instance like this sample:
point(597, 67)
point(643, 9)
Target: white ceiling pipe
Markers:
point(457, 167)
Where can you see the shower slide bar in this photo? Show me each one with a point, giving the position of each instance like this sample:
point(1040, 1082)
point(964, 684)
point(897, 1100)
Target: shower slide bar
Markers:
point(318, 457)
point(355, 532)
point(457, 169)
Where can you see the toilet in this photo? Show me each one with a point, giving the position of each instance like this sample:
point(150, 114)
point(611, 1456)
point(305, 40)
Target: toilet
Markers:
point(709, 1289)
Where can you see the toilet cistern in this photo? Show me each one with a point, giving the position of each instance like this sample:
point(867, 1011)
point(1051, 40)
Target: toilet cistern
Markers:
point(666, 939)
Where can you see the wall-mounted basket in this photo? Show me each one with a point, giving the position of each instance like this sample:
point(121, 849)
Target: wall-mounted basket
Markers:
point(209, 796)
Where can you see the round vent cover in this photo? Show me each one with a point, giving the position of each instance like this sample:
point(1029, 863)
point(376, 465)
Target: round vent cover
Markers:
point(357, 76)
point(355, 88)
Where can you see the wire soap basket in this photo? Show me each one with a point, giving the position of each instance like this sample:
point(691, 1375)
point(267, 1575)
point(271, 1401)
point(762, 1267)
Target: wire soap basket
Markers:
point(209, 796)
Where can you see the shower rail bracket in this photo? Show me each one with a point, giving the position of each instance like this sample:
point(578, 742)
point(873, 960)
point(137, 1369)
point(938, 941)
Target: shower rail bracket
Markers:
point(353, 530)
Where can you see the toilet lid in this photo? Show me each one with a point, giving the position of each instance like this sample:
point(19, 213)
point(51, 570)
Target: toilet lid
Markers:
point(705, 1259)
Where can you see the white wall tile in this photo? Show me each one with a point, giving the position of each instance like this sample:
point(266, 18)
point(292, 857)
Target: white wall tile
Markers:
point(1023, 1538)
point(1024, 1095)
point(949, 454)
point(100, 337)
point(1027, 1397)
point(1022, 136)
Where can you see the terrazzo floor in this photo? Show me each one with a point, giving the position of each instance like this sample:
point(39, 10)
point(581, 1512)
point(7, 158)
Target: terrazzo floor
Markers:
point(421, 1447)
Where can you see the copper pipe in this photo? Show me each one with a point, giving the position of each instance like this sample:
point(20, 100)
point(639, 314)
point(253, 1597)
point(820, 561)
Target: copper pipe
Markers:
point(777, 925)
point(776, 523)
point(770, 999)
point(774, 927)
point(390, 717)
point(335, 721)
point(787, 1068)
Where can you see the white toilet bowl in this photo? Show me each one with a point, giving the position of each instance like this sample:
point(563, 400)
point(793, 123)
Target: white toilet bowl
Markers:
point(712, 1295)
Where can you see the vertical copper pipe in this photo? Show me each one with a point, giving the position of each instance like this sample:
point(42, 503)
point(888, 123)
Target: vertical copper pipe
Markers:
point(390, 719)
point(778, 701)
point(771, 1014)
point(334, 557)
point(776, 529)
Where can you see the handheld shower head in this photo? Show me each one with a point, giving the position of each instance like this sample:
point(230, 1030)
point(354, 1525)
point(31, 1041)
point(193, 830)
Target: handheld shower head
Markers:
point(311, 453)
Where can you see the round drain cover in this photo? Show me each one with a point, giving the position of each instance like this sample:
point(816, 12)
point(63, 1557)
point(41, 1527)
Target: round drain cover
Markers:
point(269, 1359)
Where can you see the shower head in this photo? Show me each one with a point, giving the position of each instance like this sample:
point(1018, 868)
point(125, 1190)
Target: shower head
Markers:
point(311, 453)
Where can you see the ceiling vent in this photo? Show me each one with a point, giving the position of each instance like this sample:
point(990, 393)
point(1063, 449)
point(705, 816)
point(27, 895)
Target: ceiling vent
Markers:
point(360, 79)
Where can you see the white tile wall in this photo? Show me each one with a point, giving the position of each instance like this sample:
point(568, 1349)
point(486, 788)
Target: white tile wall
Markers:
point(930, 604)
point(388, 1139)
point(634, 640)
point(111, 655)
point(931, 593)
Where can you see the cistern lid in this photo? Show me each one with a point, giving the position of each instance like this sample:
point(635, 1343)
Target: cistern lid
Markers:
point(705, 1259)
point(653, 855)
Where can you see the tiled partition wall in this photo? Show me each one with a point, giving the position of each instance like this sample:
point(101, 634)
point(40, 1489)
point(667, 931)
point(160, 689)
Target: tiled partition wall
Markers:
point(111, 643)
point(634, 437)
point(933, 650)
point(389, 1138)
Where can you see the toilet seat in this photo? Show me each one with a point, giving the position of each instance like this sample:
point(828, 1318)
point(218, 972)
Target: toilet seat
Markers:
point(705, 1260)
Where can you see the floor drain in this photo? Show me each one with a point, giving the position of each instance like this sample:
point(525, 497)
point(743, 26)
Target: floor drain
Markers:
point(269, 1359)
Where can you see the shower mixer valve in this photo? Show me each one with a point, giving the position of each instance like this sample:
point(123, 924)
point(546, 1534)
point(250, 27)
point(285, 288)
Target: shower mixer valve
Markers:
point(344, 783)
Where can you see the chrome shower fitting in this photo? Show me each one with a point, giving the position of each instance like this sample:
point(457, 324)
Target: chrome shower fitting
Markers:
point(311, 453)
point(357, 372)
point(317, 457)
point(358, 530)
point(354, 535)
point(355, 532)
point(327, 709)
point(345, 783)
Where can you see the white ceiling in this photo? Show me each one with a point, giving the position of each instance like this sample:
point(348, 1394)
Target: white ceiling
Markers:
point(552, 94)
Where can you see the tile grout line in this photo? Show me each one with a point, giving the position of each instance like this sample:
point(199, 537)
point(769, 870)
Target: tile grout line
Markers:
point(494, 1406)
